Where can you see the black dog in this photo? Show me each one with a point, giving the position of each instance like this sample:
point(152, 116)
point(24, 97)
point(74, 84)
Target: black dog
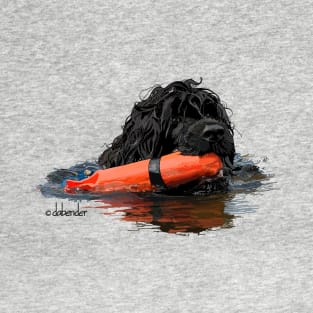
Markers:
point(180, 116)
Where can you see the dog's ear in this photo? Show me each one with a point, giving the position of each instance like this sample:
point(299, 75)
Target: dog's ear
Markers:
point(166, 115)
point(156, 129)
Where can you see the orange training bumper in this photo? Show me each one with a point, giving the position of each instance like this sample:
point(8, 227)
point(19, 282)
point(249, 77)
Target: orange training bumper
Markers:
point(176, 169)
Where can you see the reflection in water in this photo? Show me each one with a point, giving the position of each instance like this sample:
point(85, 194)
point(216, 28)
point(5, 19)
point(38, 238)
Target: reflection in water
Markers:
point(170, 214)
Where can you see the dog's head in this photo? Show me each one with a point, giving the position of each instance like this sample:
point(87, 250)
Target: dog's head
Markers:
point(180, 116)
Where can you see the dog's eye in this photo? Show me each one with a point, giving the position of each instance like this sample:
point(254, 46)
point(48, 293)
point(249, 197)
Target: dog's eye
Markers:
point(175, 121)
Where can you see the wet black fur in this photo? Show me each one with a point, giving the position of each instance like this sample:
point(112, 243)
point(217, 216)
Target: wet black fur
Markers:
point(172, 118)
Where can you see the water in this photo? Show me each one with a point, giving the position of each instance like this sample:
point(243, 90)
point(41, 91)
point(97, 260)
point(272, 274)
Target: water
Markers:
point(70, 73)
point(192, 212)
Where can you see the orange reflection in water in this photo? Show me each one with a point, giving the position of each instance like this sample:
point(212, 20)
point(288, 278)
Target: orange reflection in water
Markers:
point(172, 214)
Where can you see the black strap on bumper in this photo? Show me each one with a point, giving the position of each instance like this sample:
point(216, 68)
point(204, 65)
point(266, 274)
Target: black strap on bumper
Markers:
point(155, 174)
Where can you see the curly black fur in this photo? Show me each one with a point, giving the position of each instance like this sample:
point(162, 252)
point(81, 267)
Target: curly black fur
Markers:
point(180, 116)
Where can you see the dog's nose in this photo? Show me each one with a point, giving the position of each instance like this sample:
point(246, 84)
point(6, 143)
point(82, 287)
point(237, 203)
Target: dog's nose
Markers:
point(213, 133)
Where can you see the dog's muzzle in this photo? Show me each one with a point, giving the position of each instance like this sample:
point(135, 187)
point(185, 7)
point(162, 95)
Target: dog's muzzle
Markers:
point(210, 135)
point(213, 133)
